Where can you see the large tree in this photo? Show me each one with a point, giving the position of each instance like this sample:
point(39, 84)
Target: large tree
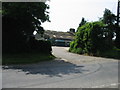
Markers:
point(109, 20)
point(29, 15)
point(108, 17)
point(95, 37)
point(20, 20)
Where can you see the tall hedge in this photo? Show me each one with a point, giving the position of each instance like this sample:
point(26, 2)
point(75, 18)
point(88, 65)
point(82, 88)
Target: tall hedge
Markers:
point(31, 46)
point(90, 38)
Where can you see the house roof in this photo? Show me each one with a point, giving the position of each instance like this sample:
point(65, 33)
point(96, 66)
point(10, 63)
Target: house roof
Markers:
point(56, 34)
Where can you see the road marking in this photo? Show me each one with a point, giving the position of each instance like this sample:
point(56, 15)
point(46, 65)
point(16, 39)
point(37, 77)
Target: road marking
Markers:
point(103, 86)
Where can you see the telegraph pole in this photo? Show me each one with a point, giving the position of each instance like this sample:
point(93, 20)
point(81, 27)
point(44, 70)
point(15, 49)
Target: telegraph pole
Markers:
point(118, 13)
point(117, 41)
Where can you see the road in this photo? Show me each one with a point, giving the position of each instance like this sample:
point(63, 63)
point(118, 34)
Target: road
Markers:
point(68, 70)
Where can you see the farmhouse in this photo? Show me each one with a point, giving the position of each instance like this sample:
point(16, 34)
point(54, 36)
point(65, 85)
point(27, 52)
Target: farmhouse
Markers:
point(57, 38)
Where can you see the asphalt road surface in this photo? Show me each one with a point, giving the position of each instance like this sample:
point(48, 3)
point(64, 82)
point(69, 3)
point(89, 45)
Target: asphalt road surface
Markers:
point(68, 70)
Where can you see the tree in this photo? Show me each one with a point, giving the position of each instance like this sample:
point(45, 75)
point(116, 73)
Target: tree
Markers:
point(89, 39)
point(108, 17)
point(95, 36)
point(109, 20)
point(83, 22)
point(30, 15)
point(20, 20)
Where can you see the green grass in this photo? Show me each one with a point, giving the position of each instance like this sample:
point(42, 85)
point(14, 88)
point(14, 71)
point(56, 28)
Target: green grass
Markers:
point(25, 58)
point(114, 53)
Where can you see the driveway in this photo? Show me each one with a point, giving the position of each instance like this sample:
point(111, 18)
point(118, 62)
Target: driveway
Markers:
point(62, 53)
point(68, 70)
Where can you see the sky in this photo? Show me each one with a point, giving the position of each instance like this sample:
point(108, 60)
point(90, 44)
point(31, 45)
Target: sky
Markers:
point(66, 14)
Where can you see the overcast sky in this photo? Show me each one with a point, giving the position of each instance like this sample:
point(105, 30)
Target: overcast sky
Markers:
point(66, 14)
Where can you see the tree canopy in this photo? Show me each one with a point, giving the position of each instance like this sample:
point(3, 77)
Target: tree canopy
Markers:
point(83, 22)
point(95, 37)
point(20, 20)
point(29, 15)
point(108, 17)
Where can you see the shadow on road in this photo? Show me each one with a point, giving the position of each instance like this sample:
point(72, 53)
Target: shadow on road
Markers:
point(51, 68)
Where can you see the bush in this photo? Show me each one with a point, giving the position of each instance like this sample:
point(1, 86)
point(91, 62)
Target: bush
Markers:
point(31, 46)
point(90, 39)
point(71, 46)
point(79, 51)
point(39, 46)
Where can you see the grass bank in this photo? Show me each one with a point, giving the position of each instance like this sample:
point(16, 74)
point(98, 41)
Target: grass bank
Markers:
point(114, 53)
point(25, 58)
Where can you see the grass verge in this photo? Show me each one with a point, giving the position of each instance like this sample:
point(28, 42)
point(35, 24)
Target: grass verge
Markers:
point(114, 53)
point(25, 58)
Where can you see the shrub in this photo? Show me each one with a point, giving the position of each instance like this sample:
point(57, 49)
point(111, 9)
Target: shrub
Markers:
point(79, 51)
point(31, 46)
point(71, 46)
point(90, 38)
point(39, 46)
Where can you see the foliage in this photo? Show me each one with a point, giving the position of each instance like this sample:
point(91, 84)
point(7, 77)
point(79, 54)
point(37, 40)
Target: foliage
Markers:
point(20, 20)
point(90, 39)
point(39, 46)
point(108, 17)
point(32, 46)
point(109, 20)
point(94, 38)
point(113, 53)
point(83, 22)
point(29, 16)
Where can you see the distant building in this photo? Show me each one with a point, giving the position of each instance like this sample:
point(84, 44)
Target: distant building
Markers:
point(72, 30)
point(57, 38)
point(62, 42)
